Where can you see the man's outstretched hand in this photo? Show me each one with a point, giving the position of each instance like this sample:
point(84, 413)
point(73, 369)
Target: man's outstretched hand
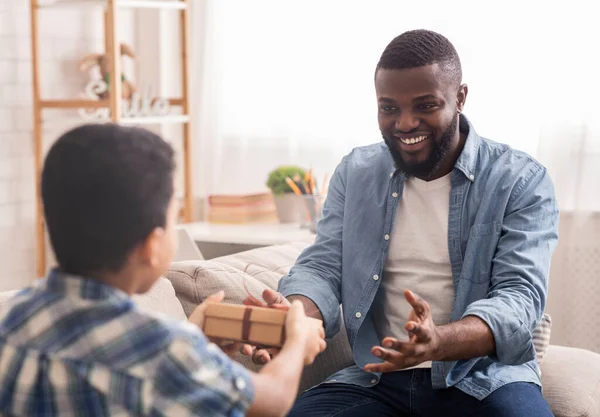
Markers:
point(423, 344)
point(273, 299)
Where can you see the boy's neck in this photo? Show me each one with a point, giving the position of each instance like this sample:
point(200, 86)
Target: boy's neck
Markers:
point(125, 280)
point(119, 282)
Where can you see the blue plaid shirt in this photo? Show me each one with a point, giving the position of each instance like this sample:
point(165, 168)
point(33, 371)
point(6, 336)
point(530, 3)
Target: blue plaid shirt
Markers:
point(75, 346)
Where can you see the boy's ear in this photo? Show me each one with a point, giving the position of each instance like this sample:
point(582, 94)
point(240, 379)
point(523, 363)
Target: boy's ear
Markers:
point(150, 248)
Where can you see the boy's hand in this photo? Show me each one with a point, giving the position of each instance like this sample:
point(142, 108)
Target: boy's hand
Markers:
point(303, 330)
point(197, 317)
point(274, 300)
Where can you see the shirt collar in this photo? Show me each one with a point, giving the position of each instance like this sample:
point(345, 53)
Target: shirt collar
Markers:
point(81, 287)
point(467, 161)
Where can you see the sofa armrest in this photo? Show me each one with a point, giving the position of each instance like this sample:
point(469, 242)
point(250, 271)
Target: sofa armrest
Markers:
point(571, 381)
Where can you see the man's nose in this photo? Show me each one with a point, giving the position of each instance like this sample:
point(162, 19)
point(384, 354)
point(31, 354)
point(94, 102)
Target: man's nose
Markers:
point(406, 122)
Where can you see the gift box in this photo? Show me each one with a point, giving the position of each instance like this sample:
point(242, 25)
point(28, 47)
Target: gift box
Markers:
point(259, 326)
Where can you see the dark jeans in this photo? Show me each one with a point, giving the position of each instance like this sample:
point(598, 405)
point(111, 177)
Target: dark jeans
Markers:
point(409, 393)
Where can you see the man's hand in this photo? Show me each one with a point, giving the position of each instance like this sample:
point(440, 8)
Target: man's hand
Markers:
point(423, 345)
point(274, 300)
point(197, 318)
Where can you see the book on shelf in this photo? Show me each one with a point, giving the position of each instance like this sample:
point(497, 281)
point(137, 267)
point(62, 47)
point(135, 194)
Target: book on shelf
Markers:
point(247, 208)
point(240, 199)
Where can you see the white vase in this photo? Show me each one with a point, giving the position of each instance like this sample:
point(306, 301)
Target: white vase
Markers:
point(288, 207)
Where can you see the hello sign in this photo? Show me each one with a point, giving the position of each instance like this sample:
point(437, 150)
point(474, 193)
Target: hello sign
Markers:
point(140, 105)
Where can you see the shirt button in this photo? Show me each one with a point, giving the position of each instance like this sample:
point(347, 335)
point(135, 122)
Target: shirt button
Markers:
point(375, 277)
point(240, 383)
point(395, 195)
point(358, 315)
point(471, 177)
point(387, 237)
point(374, 381)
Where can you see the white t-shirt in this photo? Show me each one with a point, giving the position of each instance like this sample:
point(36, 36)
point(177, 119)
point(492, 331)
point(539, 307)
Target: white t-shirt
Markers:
point(418, 259)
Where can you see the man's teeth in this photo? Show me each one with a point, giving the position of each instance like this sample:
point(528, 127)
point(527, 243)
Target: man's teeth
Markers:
point(412, 141)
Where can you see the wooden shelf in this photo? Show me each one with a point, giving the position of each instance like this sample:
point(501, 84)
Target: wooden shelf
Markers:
point(111, 13)
point(74, 104)
point(131, 4)
point(150, 120)
point(89, 104)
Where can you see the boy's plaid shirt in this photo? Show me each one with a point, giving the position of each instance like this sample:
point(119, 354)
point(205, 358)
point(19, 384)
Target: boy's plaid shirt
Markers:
point(75, 346)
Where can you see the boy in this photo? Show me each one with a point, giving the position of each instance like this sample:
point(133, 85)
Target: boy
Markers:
point(75, 343)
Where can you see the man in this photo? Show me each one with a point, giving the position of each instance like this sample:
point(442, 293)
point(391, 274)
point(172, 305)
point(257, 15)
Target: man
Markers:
point(436, 210)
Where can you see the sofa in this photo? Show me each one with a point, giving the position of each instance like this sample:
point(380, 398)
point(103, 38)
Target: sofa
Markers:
point(570, 376)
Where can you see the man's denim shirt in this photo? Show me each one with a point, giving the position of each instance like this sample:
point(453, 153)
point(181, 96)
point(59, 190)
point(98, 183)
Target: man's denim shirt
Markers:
point(502, 230)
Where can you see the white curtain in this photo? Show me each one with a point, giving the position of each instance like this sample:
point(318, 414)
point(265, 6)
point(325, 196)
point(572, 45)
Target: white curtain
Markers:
point(572, 154)
point(282, 82)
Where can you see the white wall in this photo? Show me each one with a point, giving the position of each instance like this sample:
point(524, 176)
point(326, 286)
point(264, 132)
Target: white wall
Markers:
point(65, 37)
point(157, 40)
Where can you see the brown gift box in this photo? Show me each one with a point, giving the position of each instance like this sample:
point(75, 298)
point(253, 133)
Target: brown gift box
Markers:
point(260, 326)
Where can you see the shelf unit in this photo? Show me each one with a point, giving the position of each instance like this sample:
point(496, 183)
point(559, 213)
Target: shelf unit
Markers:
point(111, 13)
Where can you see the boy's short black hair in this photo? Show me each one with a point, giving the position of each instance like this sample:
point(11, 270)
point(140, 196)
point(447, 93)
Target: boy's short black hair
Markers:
point(105, 187)
point(417, 48)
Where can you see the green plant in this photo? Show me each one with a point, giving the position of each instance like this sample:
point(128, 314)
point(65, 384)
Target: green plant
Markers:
point(276, 180)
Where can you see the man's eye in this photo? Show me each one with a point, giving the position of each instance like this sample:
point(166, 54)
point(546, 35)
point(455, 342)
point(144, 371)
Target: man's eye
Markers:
point(427, 106)
point(387, 109)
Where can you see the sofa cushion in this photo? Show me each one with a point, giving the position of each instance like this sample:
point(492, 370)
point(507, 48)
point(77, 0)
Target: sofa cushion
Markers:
point(194, 281)
point(571, 381)
point(161, 298)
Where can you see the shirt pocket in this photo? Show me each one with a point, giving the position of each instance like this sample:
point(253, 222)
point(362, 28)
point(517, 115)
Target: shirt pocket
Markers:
point(480, 251)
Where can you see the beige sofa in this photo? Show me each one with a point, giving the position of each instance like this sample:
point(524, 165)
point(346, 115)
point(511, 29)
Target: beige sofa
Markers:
point(571, 377)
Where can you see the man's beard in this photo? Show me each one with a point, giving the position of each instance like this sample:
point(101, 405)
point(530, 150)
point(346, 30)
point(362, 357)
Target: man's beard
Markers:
point(426, 168)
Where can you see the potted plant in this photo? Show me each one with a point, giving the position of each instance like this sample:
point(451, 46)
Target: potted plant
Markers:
point(287, 203)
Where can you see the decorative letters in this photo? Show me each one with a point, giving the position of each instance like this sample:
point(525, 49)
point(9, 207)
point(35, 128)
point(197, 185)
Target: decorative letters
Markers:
point(139, 105)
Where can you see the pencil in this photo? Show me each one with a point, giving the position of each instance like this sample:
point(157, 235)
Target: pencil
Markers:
point(301, 184)
point(293, 186)
point(307, 177)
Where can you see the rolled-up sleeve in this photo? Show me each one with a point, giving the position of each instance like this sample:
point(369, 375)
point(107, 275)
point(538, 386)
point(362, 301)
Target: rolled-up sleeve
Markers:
point(317, 273)
point(519, 284)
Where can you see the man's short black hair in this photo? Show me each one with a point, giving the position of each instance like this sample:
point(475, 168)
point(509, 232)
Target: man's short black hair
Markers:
point(417, 48)
point(105, 187)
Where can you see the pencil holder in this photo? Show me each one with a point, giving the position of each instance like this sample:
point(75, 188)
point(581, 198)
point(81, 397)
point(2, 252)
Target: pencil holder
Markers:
point(311, 211)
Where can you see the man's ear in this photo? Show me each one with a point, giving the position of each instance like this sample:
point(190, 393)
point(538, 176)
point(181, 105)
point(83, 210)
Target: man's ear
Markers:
point(151, 246)
point(461, 97)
